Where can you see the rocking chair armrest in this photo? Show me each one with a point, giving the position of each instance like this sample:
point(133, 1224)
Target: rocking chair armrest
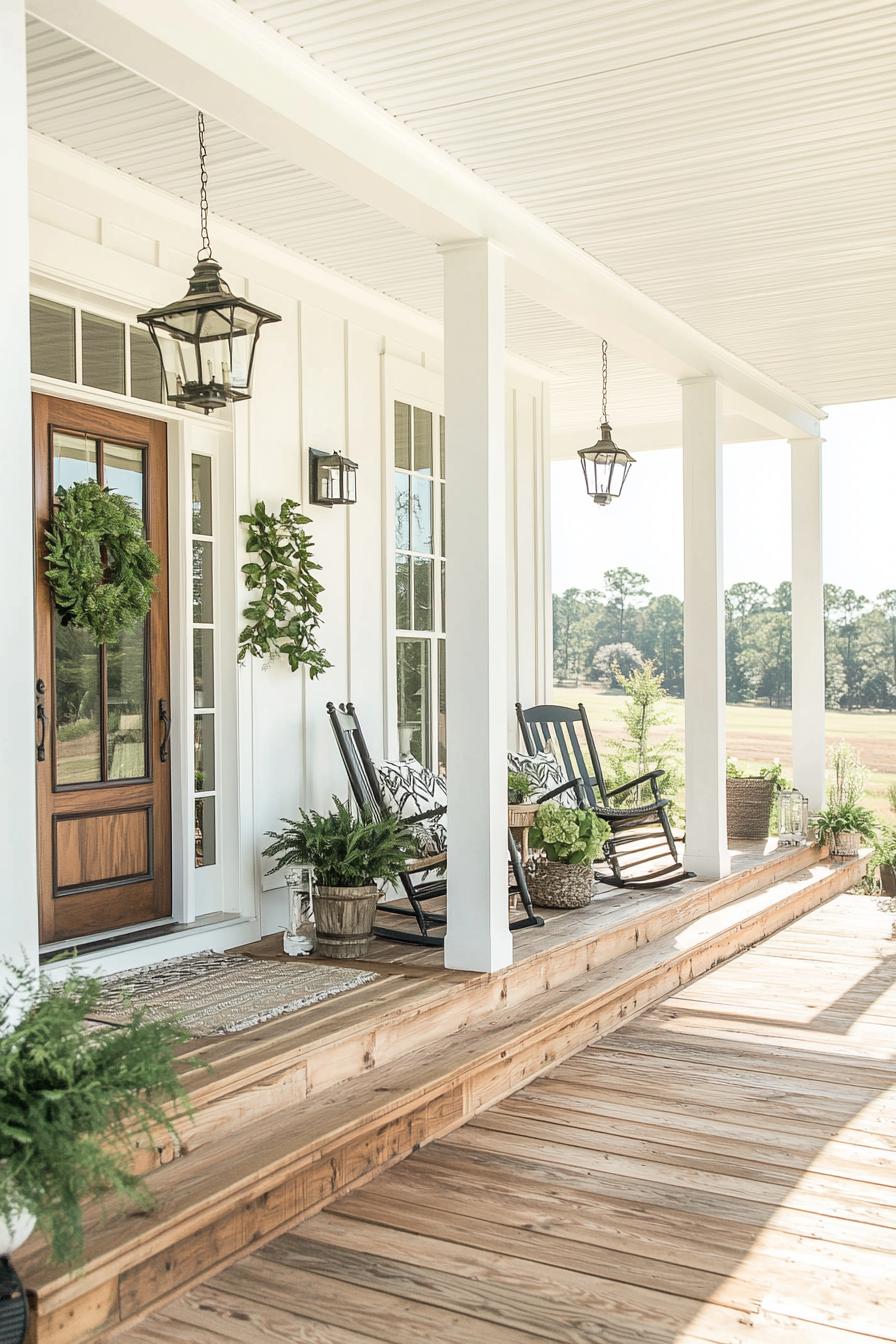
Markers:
point(562, 788)
point(652, 777)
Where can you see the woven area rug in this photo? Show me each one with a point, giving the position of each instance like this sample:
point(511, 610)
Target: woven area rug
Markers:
point(212, 994)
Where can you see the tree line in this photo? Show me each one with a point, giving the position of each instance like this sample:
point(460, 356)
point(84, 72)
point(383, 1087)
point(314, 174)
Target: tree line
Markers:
point(622, 625)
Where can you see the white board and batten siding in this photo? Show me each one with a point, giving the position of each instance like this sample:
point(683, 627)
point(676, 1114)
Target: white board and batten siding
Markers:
point(325, 377)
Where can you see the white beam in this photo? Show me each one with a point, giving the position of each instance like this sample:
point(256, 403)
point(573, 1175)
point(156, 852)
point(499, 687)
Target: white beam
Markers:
point(478, 936)
point(215, 55)
point(18, 845)
point(807, 621)
point(706, 848)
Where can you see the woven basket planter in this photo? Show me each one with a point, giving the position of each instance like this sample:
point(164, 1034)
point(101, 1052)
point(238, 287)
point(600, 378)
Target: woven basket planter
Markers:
point(562, 886)
point(888, 879)
point(749, 799)
point(845, 844)
point(344, 920)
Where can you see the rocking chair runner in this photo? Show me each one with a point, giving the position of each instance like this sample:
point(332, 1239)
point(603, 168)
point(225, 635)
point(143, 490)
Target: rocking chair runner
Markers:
point(641, 834)
point(365, 787)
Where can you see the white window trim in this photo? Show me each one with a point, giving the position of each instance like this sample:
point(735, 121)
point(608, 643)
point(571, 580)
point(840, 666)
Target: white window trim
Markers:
point(423, 388)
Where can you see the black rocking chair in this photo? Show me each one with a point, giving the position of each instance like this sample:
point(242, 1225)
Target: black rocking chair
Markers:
point(366, 791)
point(641, 834)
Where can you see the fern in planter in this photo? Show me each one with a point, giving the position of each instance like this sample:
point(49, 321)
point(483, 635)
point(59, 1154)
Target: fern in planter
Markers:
point(344, 850)
point(283, 616)
point(70, 1100)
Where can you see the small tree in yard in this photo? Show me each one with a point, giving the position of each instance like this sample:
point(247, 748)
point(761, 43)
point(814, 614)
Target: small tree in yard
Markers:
point(611, 659)
point(643, 715)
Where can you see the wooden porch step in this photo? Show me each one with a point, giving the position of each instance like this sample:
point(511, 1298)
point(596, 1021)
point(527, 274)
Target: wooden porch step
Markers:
point(251, 1182)
point(255, 1074)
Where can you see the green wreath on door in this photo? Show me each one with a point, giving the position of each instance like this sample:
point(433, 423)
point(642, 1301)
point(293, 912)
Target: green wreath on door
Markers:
point(100, 566)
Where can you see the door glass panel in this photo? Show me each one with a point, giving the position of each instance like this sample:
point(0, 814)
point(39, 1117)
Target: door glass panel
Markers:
point(203, 669)
point(205, 832)
point(202, 496)
point(413, 699)
point(402, 512)
point(204, 752)
point(403, 435)
point(146, 371)
point(52, 339)
point(403, 592)
point(202, 583)
point(442, 734)
point(126, 681)
point(421, 515)
point(77, 708)
point(74, 459)
point(102, 353)
point(422, 440)
point(422, 594)
point(123, 471)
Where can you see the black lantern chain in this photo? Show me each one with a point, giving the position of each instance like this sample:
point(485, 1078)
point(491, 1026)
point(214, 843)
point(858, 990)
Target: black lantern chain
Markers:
point(605, 467)
point(603, 360)
point(205, 250)
point(206, 340)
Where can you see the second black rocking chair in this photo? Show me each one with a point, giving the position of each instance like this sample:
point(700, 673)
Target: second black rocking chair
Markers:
point(641, 835)
point(416, 887)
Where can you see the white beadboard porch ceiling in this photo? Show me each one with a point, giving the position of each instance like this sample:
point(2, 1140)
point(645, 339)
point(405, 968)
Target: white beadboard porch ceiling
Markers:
point(731, 158)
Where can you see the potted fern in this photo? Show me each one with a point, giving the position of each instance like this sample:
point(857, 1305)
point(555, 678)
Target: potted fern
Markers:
point(843, 827)
point(567, 841)
point(845, 822)
point(71, 1100)
point(349, 855)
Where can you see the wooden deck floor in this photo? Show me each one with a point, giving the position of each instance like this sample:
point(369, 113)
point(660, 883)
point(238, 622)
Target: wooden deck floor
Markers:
point(721, 1169)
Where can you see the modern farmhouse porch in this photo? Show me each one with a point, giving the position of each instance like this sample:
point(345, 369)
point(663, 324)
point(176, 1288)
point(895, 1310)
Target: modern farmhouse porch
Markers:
point(429, 246)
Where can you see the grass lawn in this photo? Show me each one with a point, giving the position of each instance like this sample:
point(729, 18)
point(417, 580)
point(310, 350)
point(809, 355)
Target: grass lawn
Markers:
point(758, 734)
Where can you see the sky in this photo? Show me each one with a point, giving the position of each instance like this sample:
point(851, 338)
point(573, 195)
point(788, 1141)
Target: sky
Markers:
point(642, 529)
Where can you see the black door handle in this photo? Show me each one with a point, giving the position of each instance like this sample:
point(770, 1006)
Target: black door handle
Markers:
point(165, 721)
point(41, 689)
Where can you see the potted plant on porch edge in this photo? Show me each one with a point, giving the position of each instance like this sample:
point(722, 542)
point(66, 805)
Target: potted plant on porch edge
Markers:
point(349, 855)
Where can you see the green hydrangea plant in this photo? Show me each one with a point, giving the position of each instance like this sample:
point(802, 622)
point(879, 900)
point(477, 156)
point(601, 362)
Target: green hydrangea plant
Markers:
point(568, 835)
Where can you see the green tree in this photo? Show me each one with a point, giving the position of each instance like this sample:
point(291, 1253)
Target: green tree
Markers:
point(645, 746)
point(623, 586)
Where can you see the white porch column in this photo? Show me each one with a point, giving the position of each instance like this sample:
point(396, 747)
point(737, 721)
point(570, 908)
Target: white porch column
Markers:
point(706, 848)
point(807, 620)
point(478, 937)
point(18, 909)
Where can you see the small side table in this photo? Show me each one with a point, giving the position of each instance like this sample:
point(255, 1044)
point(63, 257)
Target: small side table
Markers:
point(520, 817)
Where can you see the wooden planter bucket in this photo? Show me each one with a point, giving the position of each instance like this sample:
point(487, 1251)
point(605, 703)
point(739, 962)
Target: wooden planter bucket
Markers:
point(343, 917)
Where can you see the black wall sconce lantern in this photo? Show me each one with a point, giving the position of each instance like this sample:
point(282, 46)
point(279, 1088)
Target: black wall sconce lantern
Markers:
point(605, 466)
point(333, 478)
point(206, 340)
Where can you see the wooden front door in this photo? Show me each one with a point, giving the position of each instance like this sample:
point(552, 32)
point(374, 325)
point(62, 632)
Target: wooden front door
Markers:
point(102, 711)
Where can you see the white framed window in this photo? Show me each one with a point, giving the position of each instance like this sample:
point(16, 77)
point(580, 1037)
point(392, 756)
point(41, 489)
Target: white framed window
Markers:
point(418, 516)
point(205, 700)
point(93, 346)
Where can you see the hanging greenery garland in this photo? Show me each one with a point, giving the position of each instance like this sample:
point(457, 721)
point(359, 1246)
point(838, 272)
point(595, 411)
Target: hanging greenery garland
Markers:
point(284, 614)
point(99, 564)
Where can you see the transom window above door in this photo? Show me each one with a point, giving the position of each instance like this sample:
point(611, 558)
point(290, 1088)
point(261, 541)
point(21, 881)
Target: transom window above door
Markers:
point(419, 522)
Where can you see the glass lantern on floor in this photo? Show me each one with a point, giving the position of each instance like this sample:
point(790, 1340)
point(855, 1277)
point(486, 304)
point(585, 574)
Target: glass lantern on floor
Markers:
point(793, 819)
point(299, 937)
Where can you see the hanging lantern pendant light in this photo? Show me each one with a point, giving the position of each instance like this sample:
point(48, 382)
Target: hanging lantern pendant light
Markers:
point(605, 466)
point(206, 340)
